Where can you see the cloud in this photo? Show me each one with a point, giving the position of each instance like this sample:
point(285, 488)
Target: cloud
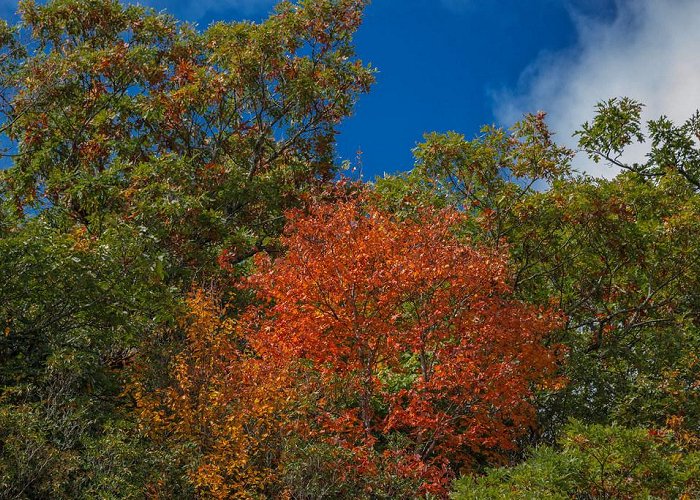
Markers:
point(649, 51)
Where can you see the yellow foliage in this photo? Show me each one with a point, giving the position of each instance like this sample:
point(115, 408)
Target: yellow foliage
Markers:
point(218, 403)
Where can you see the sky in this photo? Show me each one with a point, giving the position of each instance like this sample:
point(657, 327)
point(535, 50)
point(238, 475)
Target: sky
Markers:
point(458, 64)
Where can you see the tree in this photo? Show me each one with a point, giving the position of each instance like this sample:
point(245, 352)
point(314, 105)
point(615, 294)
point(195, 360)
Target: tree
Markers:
point(139, 151)
point(223, 413)
point(617, 124)
point(73, 314)
point(118, 112)
point(486, 177)
point(400, 331)
point(617, 257)
point(597, 462)
point(620, 256)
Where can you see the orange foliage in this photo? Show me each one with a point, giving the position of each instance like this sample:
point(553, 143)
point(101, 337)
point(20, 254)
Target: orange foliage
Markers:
point(401, 326)
point(219, 401)
point(395, 340)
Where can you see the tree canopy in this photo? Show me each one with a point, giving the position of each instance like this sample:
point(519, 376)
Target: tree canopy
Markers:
point(196, 304)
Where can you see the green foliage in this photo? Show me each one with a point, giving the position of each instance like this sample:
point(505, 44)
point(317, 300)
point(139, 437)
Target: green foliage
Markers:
point(204, 138)
point(619, 258)
point(73, 311)
point(486, 176)
point(595, 462)
point(145, 156)
point(618, 124)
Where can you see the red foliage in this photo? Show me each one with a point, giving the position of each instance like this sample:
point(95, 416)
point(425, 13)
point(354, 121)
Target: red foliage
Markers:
point(400, 326)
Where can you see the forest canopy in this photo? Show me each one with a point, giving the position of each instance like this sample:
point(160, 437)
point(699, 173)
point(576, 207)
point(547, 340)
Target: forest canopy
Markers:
point(197, 302)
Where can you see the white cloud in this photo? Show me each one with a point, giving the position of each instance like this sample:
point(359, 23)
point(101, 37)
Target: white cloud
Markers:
point(650, 52)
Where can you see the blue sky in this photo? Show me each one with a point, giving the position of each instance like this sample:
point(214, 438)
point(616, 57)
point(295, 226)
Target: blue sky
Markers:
point(458, 64)
point(440, 63)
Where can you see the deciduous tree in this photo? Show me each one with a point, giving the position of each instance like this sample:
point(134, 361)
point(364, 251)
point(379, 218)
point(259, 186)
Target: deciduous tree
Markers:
point(401, 328)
